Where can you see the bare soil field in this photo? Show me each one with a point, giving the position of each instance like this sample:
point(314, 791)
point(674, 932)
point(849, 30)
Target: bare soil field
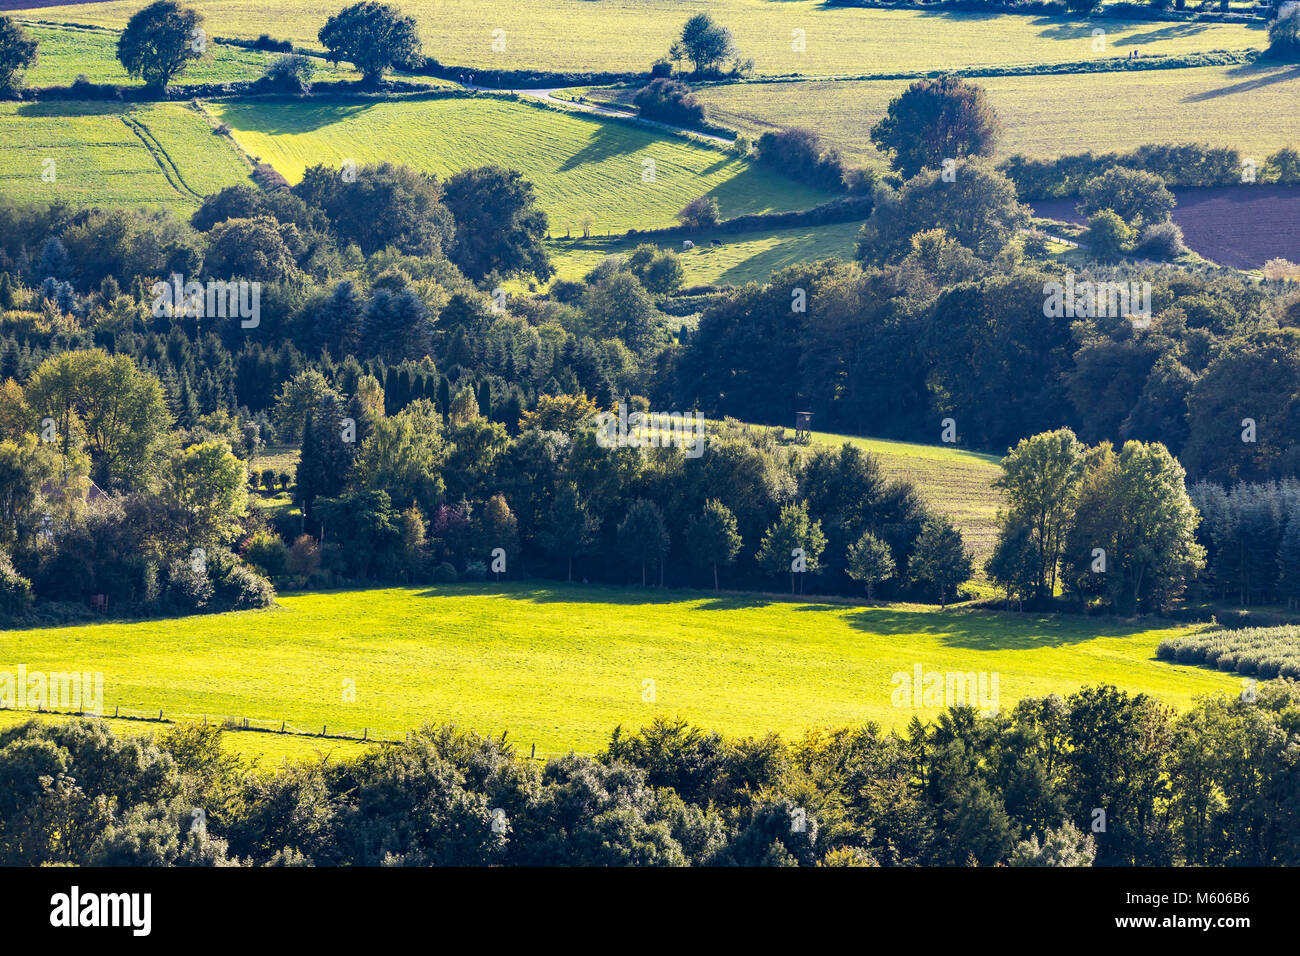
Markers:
point(1238, 226)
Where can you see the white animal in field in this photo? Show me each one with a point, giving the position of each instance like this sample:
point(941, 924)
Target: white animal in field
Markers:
point(687, 244)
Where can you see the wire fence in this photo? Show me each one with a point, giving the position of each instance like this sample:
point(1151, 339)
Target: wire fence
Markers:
point(242, 724)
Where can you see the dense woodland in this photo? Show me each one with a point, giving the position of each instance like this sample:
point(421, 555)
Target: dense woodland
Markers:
point(1098, 778)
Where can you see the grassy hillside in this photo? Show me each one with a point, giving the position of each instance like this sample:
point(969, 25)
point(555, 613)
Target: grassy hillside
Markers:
point(578, 163)
point(748, 257)
point(1246, 106)
point(631, 34)
point(561, 666)
point(952, 480)
point(105, 153)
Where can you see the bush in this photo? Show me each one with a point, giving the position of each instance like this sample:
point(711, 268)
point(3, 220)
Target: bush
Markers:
point(701, 213)
point(475, 571)
point(671, 102)
point(304, 556)
point(1108, 238)
point(188, 585)
point(799, 153)
point(661, 68)
point(266, 42)
point(1161, 240)
point(1284, 36)
point(290, 74)
point(15, 590)
point(444, 573)
point(268, 553)
point(240, 588)
point(268, 178)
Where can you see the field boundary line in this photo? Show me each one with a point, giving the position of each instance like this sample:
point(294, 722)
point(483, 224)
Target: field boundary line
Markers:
point(231, 724)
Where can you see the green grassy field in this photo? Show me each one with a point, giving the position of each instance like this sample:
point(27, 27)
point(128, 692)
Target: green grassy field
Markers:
point(1245, 106)
point(67, 53)
point(560, 666)
point(748, 257)
point(624, 35)
point(157, 155)
point(578, 163)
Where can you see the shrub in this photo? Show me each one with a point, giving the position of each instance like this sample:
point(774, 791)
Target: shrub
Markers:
point(1284, 36)
point(290, 74)
point(304, 556)
point(1108, 238)
point(266, 42)
point(15, 590)
point(444, 573)
point(1283, 167)
point(266, 176)
point(240, 588)
point(671, 102)
point(1161, 240)
point(268, 553)
point(799, 153)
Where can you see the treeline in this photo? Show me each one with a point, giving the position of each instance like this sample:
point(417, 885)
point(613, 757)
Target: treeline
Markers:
point(415, 497)
point(1183, 164)
point(1099, 778)
point(893, 350)
point(1251, 536)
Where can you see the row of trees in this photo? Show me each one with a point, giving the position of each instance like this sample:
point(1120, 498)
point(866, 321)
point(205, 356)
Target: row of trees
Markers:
point(165, 37)
point(418, 490)
point(1099, 778)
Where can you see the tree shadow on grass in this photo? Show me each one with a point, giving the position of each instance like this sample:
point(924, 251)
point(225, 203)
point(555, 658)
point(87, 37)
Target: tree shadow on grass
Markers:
point(794, 249)
point(561, 592)
point(1262, 78)
point(283, 119)
point(989, 631)
point(71, 109)
point(607, 140)
point(1056, 28)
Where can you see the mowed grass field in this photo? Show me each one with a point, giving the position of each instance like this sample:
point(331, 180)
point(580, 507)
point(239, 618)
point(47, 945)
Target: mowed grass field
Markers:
point(66, 53)
point(1250, 107)
point(560, 666)
point(157, 155)
point(626, 176)
point(746, 257)
point(952, 480)
point(622, 35)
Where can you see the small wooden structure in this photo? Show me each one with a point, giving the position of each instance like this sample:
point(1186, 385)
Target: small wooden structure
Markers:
point(803, 427)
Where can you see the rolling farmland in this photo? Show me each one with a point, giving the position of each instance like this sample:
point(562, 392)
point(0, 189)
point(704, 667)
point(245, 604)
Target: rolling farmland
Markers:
point(561, 666)
point(623, 35)
point(625, 176)
point(1251, 107)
